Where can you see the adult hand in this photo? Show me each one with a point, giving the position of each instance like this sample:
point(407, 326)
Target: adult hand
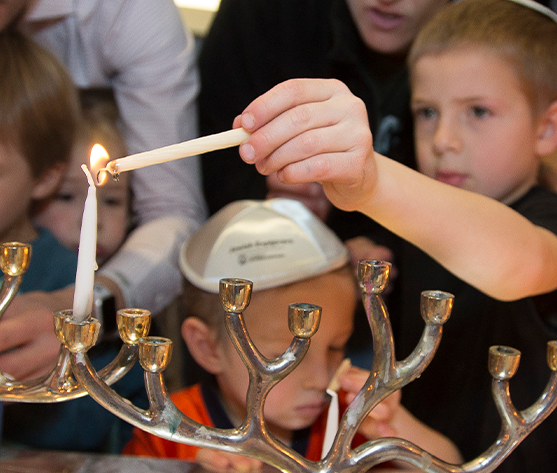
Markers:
point(310, 194)
point(224, 462)
point(312, 130)
point(28, 344)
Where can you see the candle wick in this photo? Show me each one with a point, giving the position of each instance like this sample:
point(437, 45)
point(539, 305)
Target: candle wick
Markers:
point(101, 171)
point(88, 174)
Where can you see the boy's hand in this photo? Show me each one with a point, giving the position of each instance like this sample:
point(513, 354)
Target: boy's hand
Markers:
point(312, 130)
point(224, 462)
point(379, 422)
point(28, 344)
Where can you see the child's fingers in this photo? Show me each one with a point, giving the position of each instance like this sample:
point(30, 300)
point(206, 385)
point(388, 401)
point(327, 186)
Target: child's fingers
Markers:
point(353, 379)
point(223, 462)
point(286, 96)
point(300, 119)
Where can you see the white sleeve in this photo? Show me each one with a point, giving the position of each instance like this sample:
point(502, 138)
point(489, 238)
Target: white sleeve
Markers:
point(155, 80)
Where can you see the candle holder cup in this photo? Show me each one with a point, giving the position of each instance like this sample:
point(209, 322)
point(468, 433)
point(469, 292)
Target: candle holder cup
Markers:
point(253, 439)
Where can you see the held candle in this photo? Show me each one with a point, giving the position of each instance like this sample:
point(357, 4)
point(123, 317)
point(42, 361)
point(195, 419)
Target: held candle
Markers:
point(205, 144)
point(86, 258)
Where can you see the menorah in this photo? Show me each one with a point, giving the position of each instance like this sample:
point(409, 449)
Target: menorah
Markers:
point(252, 438)
point(58, 385)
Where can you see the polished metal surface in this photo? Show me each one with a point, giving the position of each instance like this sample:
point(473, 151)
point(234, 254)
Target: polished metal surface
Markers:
point(75, 374)
point(59, 384)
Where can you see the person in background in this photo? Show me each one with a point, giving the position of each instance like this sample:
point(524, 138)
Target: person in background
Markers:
point(141, 50)
point(308, 260)
point(255, 44)
point(62, 214)
point(60, 426)
point(476, 222)
point(38, 119)
point(39, 112)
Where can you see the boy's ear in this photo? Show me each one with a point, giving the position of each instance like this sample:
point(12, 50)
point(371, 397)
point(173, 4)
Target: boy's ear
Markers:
point(48, 182)
point(203, 344)
point(547, 131)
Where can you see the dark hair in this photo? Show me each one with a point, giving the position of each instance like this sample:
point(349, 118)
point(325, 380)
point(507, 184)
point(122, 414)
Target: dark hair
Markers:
point(38, 103)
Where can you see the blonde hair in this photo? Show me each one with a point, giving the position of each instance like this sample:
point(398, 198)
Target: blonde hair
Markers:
point(523, 37)
point(39, 108)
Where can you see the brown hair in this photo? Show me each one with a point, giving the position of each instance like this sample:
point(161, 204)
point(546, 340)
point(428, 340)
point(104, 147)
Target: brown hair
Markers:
point(527, 39)
point(99, 120)
point(38, 103)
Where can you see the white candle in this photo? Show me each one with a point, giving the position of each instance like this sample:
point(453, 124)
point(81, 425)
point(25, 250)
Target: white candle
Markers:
point(333, 413)
point(226, 139)
point(86, 258)
point(332, 423)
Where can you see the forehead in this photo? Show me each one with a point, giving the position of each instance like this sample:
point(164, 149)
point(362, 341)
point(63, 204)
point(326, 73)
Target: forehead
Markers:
point(267, 315)
point(464, 71)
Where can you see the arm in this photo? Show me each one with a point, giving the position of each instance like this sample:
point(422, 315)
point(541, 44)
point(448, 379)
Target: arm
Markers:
point(316, 130)
point(156, 84)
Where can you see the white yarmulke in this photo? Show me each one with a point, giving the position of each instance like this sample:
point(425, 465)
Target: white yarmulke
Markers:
point(538, 7)
point(271, 243)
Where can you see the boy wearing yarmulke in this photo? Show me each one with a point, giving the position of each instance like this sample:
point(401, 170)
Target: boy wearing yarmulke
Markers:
point(290, 256)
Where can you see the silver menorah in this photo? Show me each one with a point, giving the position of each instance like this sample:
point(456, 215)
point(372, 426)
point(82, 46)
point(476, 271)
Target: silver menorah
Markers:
point(252, 438)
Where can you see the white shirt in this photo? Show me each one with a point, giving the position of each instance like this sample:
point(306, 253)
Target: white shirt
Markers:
point(141, 50)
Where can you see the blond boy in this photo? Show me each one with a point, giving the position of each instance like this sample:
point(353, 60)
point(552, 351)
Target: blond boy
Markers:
point(485, 103)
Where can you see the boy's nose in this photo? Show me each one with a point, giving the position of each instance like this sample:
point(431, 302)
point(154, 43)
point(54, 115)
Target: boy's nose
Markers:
point(446, 138)
point(314, 371)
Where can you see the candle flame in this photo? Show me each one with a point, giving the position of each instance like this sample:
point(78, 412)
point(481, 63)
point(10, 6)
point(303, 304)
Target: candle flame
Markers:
point(99, 159)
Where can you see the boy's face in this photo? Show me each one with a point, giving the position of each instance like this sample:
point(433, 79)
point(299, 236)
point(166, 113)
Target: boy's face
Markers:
point(390, 26)
point(298, 400)
point(474, 125)
point(63, 215)
point(16, 192)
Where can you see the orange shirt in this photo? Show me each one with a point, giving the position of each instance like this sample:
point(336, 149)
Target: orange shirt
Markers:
point(201, 405)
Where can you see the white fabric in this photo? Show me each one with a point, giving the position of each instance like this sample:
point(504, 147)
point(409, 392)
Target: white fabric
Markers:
point(270, 242)
point(141, 50)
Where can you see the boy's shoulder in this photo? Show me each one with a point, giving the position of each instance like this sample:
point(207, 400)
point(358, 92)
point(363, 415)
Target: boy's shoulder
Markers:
point(52, 265)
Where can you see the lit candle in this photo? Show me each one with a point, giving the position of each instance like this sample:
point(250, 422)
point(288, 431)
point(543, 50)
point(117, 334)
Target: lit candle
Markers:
point(86, 258)
point(205, 144)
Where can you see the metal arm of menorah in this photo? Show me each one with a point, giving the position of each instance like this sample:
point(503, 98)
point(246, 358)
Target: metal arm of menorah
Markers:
point(253, 439)
point(59, 384)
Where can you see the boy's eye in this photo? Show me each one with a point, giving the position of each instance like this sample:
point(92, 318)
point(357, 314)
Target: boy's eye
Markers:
point(340, 348)
point(65, 196)
point(480, 112)
point(424, 113)
point(113, 201)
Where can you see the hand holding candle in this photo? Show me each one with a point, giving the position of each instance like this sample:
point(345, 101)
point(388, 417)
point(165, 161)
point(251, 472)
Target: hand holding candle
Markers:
point(86, 259)
point(205, 144)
